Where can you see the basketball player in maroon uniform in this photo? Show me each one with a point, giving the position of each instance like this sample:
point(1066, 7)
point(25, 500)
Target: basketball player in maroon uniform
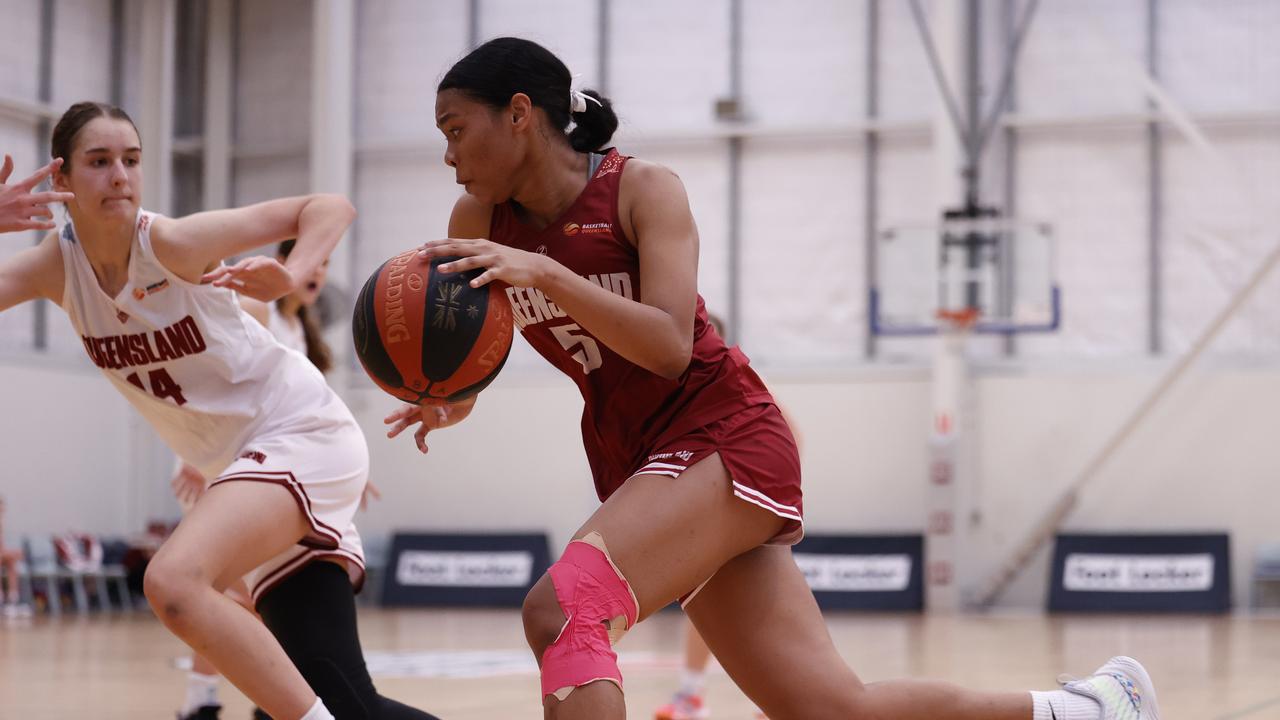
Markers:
point(697, 470)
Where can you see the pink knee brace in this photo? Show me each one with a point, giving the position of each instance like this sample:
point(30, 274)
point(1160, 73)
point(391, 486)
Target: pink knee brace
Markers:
point(599, 607)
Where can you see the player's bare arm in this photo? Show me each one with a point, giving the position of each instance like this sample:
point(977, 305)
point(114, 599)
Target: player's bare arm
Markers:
point(32, 273)
point(192, 247)
point(656, 334)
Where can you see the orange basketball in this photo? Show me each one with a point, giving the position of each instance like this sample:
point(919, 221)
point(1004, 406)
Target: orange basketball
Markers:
point(428, 337)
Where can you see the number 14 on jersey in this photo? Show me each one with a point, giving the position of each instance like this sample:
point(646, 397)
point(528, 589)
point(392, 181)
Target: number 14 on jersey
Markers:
point(162, 385)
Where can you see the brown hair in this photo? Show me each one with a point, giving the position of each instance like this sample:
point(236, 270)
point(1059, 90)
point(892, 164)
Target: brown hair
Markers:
point(74, 120)
point(318, 351)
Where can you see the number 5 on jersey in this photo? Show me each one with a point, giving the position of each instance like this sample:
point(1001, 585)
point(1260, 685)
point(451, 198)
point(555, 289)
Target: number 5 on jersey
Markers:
point(162, 386)
point(588, 356)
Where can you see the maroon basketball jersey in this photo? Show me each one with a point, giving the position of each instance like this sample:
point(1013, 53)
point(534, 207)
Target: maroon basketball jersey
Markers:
point(628, 409)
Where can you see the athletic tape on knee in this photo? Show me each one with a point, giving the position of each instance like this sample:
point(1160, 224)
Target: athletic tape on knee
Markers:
point(599, 608)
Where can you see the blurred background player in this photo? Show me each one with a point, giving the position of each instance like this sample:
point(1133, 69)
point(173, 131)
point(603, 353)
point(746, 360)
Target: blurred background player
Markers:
point(294, 321)
point(10, 558)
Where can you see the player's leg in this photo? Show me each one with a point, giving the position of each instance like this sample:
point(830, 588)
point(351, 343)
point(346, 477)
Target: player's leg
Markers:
point(689, 700)
point(662, 536)
point(696, 653)
point(761, 621)
point(202, 690)
point(235, 527)
point(9, 568)
point(13, 605)
point(203, 680)
point(313, 615)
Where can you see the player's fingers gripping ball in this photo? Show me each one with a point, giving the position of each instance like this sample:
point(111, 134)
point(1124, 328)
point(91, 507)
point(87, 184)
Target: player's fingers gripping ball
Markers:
point(428, 337)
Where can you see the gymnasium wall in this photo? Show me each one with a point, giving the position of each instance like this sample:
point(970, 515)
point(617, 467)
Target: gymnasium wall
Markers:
point(77, 457)
point(1075, 150)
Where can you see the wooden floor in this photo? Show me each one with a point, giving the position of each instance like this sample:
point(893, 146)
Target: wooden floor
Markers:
point(470, 665)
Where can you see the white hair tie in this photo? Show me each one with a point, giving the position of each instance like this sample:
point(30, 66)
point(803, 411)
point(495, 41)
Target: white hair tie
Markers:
point(578, 101)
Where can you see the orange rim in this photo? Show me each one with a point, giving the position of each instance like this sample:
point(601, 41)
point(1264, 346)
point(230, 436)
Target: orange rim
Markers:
point(963, 318)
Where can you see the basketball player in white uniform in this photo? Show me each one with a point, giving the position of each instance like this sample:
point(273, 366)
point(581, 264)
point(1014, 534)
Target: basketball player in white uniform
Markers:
point(158, 314)
point(292, 322)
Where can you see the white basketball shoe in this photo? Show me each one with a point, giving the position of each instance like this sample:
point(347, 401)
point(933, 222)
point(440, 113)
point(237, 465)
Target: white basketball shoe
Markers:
point(1122, 687)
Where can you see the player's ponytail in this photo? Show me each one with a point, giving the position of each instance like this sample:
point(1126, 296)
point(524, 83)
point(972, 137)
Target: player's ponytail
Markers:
point(594, 120)
point(502, 67)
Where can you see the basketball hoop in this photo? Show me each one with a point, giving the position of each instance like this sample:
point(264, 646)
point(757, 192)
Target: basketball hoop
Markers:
point(1005, 266)
point(961, 319)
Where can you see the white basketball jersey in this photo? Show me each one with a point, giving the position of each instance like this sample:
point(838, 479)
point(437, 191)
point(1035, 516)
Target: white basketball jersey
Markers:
point(287, 330)
point(207, 376)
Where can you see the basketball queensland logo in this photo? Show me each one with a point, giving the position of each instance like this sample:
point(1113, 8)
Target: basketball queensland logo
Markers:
point(598, 228)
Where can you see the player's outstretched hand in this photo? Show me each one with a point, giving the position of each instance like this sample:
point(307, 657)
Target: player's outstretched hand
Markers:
point(431, 417)
point(259, 277)
point(21, 209)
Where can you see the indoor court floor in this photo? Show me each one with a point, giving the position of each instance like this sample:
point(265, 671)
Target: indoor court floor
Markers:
point(472, 665)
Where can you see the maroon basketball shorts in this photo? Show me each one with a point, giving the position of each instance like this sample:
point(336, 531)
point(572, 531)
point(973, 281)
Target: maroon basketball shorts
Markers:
point(759, 452)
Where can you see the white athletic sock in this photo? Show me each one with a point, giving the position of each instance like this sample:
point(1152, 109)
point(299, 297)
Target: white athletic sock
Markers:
point(202, 690)
point(318, 712)
point(692, 682)
point(1063, 705)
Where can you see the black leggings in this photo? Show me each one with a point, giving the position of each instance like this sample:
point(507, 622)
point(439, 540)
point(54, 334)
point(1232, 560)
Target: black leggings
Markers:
point(313, 615)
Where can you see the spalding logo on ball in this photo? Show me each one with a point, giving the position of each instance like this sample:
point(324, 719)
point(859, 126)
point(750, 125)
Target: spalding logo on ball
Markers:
point(428, 337)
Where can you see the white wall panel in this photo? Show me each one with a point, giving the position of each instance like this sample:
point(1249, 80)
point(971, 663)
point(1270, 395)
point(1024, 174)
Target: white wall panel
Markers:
point(51, 484)
point(20, 51)
point(805, 63)
point(1090, 184)
point(257, 180)
point(132, 62)
point(704, 170)
point(907, 197)
point(404, 47)
point(273, 74)
point(670, 62)
point(1221, 56)
point(1221, 222)
point(907, 88)
point(82, 56)
point(402, 202)
point(565, 27)
point(17, 139)
point(1075, 60)
point(804, 298)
